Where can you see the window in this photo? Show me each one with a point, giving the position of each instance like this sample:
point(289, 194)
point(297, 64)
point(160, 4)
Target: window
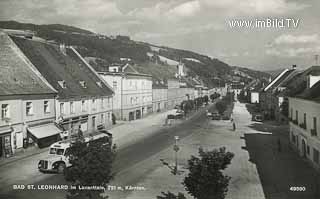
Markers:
point(94, 104)
point(83, 84)
point(71, 107)
point(83, 106)
point(108, 102)
point(94, 122)
point(5, 111)
point(102, 118)
point(297, 116)
point(315, 155)
point(131, 100)
point(29, 108)
point(114, 83)
point(99, 84)
point(108, 116)
point(314, 123)
point(291, 113)
point(46, 107)
point(101, 103)
point(61, 108)
point(305, 119)
point(62, 84)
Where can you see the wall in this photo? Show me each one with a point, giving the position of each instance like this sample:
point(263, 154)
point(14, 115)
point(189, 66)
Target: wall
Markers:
point(312, 109)
point(110, 78)
point(254, 97)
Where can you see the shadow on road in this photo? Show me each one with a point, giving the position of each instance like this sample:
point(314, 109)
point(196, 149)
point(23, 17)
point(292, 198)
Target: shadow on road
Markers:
point(279, 170)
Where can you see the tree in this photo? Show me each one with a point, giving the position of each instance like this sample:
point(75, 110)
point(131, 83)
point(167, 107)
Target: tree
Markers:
point(91, 166)
point(284, 107)
point(206, 99)
point(221, 107)
point(170, 195)
point(205, 179)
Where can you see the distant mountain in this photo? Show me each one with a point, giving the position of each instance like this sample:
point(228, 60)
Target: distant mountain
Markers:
point(103, 50)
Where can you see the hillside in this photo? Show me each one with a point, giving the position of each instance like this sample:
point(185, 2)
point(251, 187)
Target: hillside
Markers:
point(101, 50)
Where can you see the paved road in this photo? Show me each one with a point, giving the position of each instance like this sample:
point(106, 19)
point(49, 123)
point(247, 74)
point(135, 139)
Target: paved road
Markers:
point(25, 171)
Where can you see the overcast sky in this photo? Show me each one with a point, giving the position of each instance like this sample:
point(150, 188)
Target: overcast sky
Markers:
point(197, 25)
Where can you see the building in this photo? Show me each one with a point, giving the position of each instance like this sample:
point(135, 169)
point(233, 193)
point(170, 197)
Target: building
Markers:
point(274, 94)
point(133, 91)
point(84, 100)
point(26, 102)
point(254, 97)
point(304, 115)
point(159, 96)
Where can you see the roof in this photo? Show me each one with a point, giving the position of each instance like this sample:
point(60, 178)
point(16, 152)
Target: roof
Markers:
point(17, 75)
point(299, 83)
point(312, 93)
point(281, 79)
point(69, 67)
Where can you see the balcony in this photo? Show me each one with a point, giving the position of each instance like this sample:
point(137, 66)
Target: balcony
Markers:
point(303, 125)
point(314, 132)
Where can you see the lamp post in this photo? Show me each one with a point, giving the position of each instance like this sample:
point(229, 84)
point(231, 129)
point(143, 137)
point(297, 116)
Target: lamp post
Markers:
point(176, 149)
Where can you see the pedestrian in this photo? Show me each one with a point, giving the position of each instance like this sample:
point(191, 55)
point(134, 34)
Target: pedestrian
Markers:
point(279, 145)
point(234, 126)
point(113, 117)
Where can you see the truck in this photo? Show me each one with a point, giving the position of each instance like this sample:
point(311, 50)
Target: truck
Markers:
point(58, 158)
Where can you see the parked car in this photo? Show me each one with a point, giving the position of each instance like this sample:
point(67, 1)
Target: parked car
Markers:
point(216, 116)
point(257, 118)
point(179, 114)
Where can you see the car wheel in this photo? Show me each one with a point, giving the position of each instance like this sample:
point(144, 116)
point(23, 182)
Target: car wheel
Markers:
point(61, 167)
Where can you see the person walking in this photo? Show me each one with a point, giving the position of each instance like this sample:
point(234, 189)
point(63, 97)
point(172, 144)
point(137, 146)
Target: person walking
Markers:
point(279, 145)
point(234, 126)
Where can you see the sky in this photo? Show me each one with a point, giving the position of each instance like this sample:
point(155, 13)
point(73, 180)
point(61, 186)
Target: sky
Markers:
point(203, 26)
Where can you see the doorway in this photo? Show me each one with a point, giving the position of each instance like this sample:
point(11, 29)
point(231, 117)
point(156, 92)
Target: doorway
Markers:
point(304, 149)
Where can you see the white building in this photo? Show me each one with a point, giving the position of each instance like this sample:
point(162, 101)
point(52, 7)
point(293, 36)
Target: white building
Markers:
point(133, 91)
point(304, 114)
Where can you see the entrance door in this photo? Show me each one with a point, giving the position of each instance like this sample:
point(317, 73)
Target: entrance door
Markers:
point(131, 116)
point(304, 149)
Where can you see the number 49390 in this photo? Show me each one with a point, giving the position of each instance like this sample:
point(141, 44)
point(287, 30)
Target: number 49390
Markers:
point(297, 188)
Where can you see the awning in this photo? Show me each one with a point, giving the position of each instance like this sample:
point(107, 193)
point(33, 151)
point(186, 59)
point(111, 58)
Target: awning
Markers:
point(43, 131)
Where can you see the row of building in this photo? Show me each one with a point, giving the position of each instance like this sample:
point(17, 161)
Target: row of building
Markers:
point(294, 96)
point(47, 90)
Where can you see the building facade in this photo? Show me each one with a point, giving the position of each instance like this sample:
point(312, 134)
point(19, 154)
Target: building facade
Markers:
point(26, 101)
point(84, 100)
point(159, 98)
point(305, 129)
point(133, 92)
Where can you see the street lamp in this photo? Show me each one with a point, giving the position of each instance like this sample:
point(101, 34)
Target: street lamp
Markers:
point(176, 149)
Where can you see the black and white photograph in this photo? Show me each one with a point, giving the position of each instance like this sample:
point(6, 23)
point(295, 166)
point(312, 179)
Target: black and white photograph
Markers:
point(159, 99)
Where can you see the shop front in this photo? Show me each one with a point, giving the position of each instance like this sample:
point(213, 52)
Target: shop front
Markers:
point(5, 143)
point(44, 135)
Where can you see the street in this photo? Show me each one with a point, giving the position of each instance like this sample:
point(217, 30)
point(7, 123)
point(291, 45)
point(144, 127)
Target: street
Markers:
point(257, 171)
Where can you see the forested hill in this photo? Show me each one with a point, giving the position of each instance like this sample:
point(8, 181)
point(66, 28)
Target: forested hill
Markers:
point(104, 50)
